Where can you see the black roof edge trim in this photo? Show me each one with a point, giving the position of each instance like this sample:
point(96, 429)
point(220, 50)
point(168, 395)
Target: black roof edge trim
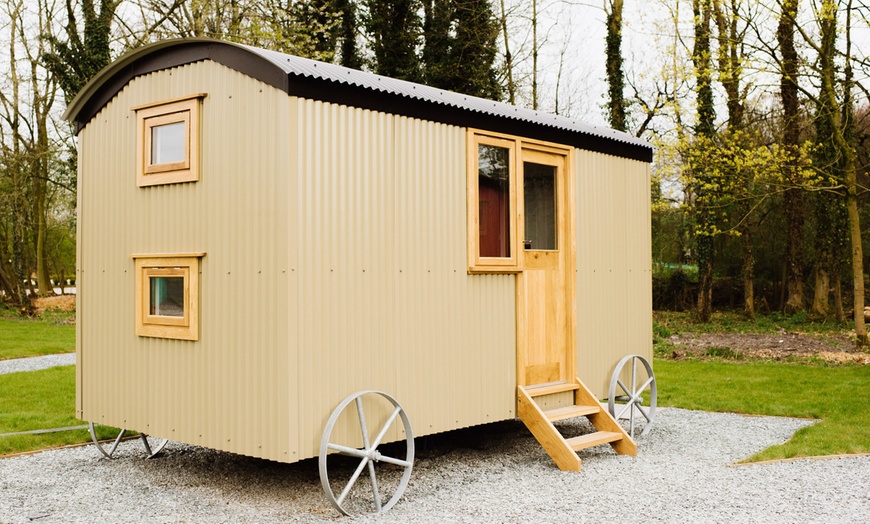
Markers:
point(326, 91)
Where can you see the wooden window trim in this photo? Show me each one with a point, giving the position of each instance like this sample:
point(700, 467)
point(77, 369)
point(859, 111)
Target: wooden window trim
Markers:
point(477, 263)
point(516, 144)
point(157, 326)
point(185, 109)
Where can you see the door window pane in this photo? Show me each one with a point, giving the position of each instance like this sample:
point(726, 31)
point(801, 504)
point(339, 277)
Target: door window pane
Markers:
point(167, 143)
point(493, 175)
point(167, 296)
point(539, 189)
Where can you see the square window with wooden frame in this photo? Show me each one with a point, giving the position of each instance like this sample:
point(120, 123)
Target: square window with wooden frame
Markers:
point(492, 203)
point(167, 139)
point(167, 296)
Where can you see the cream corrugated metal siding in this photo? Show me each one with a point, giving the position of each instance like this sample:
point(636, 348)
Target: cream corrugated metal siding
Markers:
point(335, 262)
point(614, 290)
point(230, 390)
point(385, 301)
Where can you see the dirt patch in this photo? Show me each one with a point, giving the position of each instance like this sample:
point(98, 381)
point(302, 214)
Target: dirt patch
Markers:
point(778, 346)
point(65, 303)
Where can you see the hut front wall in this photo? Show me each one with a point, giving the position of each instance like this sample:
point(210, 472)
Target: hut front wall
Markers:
point(385, 301)
point(614, 265)
point(234, 389)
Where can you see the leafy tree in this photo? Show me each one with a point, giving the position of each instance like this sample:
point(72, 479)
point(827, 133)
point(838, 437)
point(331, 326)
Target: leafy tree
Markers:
point(86, 50)
point(394, 29)
point(347, 34)
point(460, 47)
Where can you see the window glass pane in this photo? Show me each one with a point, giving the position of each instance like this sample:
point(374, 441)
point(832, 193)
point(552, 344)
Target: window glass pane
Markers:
point(493, 179)
point(167, 143)
point(167, 296)
point(539, 197)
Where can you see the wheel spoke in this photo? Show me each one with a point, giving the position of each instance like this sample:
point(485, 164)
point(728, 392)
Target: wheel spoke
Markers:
point(345, 450)
point(117, 441)
point(362, 422)
point(624, 388)
point(644, 413)
point(375, 491)
point(622, 411)
point(386, 427)
point(353, 479)
point(397, 462)
point(645, 384)
point(633, 377)
point(145, 442)
point(631, 422)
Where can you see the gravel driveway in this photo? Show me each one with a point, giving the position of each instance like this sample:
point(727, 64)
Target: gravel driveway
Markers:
point(494, 473)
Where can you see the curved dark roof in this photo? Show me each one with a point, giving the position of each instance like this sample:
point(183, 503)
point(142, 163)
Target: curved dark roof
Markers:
point(331, 83)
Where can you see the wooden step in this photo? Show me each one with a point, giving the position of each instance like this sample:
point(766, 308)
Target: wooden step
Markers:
point(550, 389)
point(593, 439)
point(571, 412)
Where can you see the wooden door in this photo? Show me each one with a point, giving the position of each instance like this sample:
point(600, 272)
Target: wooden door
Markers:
point(545, 284)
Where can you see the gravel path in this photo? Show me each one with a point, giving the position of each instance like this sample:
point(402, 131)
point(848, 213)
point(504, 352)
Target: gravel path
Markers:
point(33, 363)
point(494, 473)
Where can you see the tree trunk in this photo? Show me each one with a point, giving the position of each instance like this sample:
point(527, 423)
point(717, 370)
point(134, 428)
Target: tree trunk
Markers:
point(821, 305)
point(615, 80)
point(748, 277)
point(838, 298)
point(795, 217)
point(535, 55)
point(794, 201)
point(857, 253)
point(508, 59)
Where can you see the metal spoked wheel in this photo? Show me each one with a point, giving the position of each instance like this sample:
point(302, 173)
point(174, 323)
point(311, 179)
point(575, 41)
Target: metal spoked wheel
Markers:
point(153, 445)
point(347, 455)
point(629, 404)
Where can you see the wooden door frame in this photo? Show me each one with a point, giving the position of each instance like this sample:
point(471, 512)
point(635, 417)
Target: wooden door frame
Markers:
point(566, 246)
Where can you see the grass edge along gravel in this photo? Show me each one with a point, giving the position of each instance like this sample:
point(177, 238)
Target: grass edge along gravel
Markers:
point(836, 396)
point(41, 399)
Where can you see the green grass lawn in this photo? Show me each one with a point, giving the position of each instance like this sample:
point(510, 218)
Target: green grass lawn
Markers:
point(41, 400)
point(836, 395)
point(29, 338)
point(38, 400)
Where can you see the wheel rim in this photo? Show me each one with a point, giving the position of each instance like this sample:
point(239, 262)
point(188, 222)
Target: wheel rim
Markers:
point(153, 445)
point(626, 401)
point(394, 473)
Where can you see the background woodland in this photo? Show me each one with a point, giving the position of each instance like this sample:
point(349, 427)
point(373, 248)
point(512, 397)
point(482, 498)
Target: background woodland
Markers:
point(758, 110)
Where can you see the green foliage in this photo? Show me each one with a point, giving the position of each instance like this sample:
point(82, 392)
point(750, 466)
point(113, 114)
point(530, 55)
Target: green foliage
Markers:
point(350, 53)
point(29, 338)
point(836, 395)
point(85, 51)
point(393, 28)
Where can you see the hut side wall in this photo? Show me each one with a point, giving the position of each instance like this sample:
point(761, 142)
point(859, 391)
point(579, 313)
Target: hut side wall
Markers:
point(233, 389)
point(614, 265)
point(335, 241)
point(385, 301)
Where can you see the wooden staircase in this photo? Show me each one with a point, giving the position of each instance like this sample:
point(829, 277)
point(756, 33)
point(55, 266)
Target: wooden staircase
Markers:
point(564, 451)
